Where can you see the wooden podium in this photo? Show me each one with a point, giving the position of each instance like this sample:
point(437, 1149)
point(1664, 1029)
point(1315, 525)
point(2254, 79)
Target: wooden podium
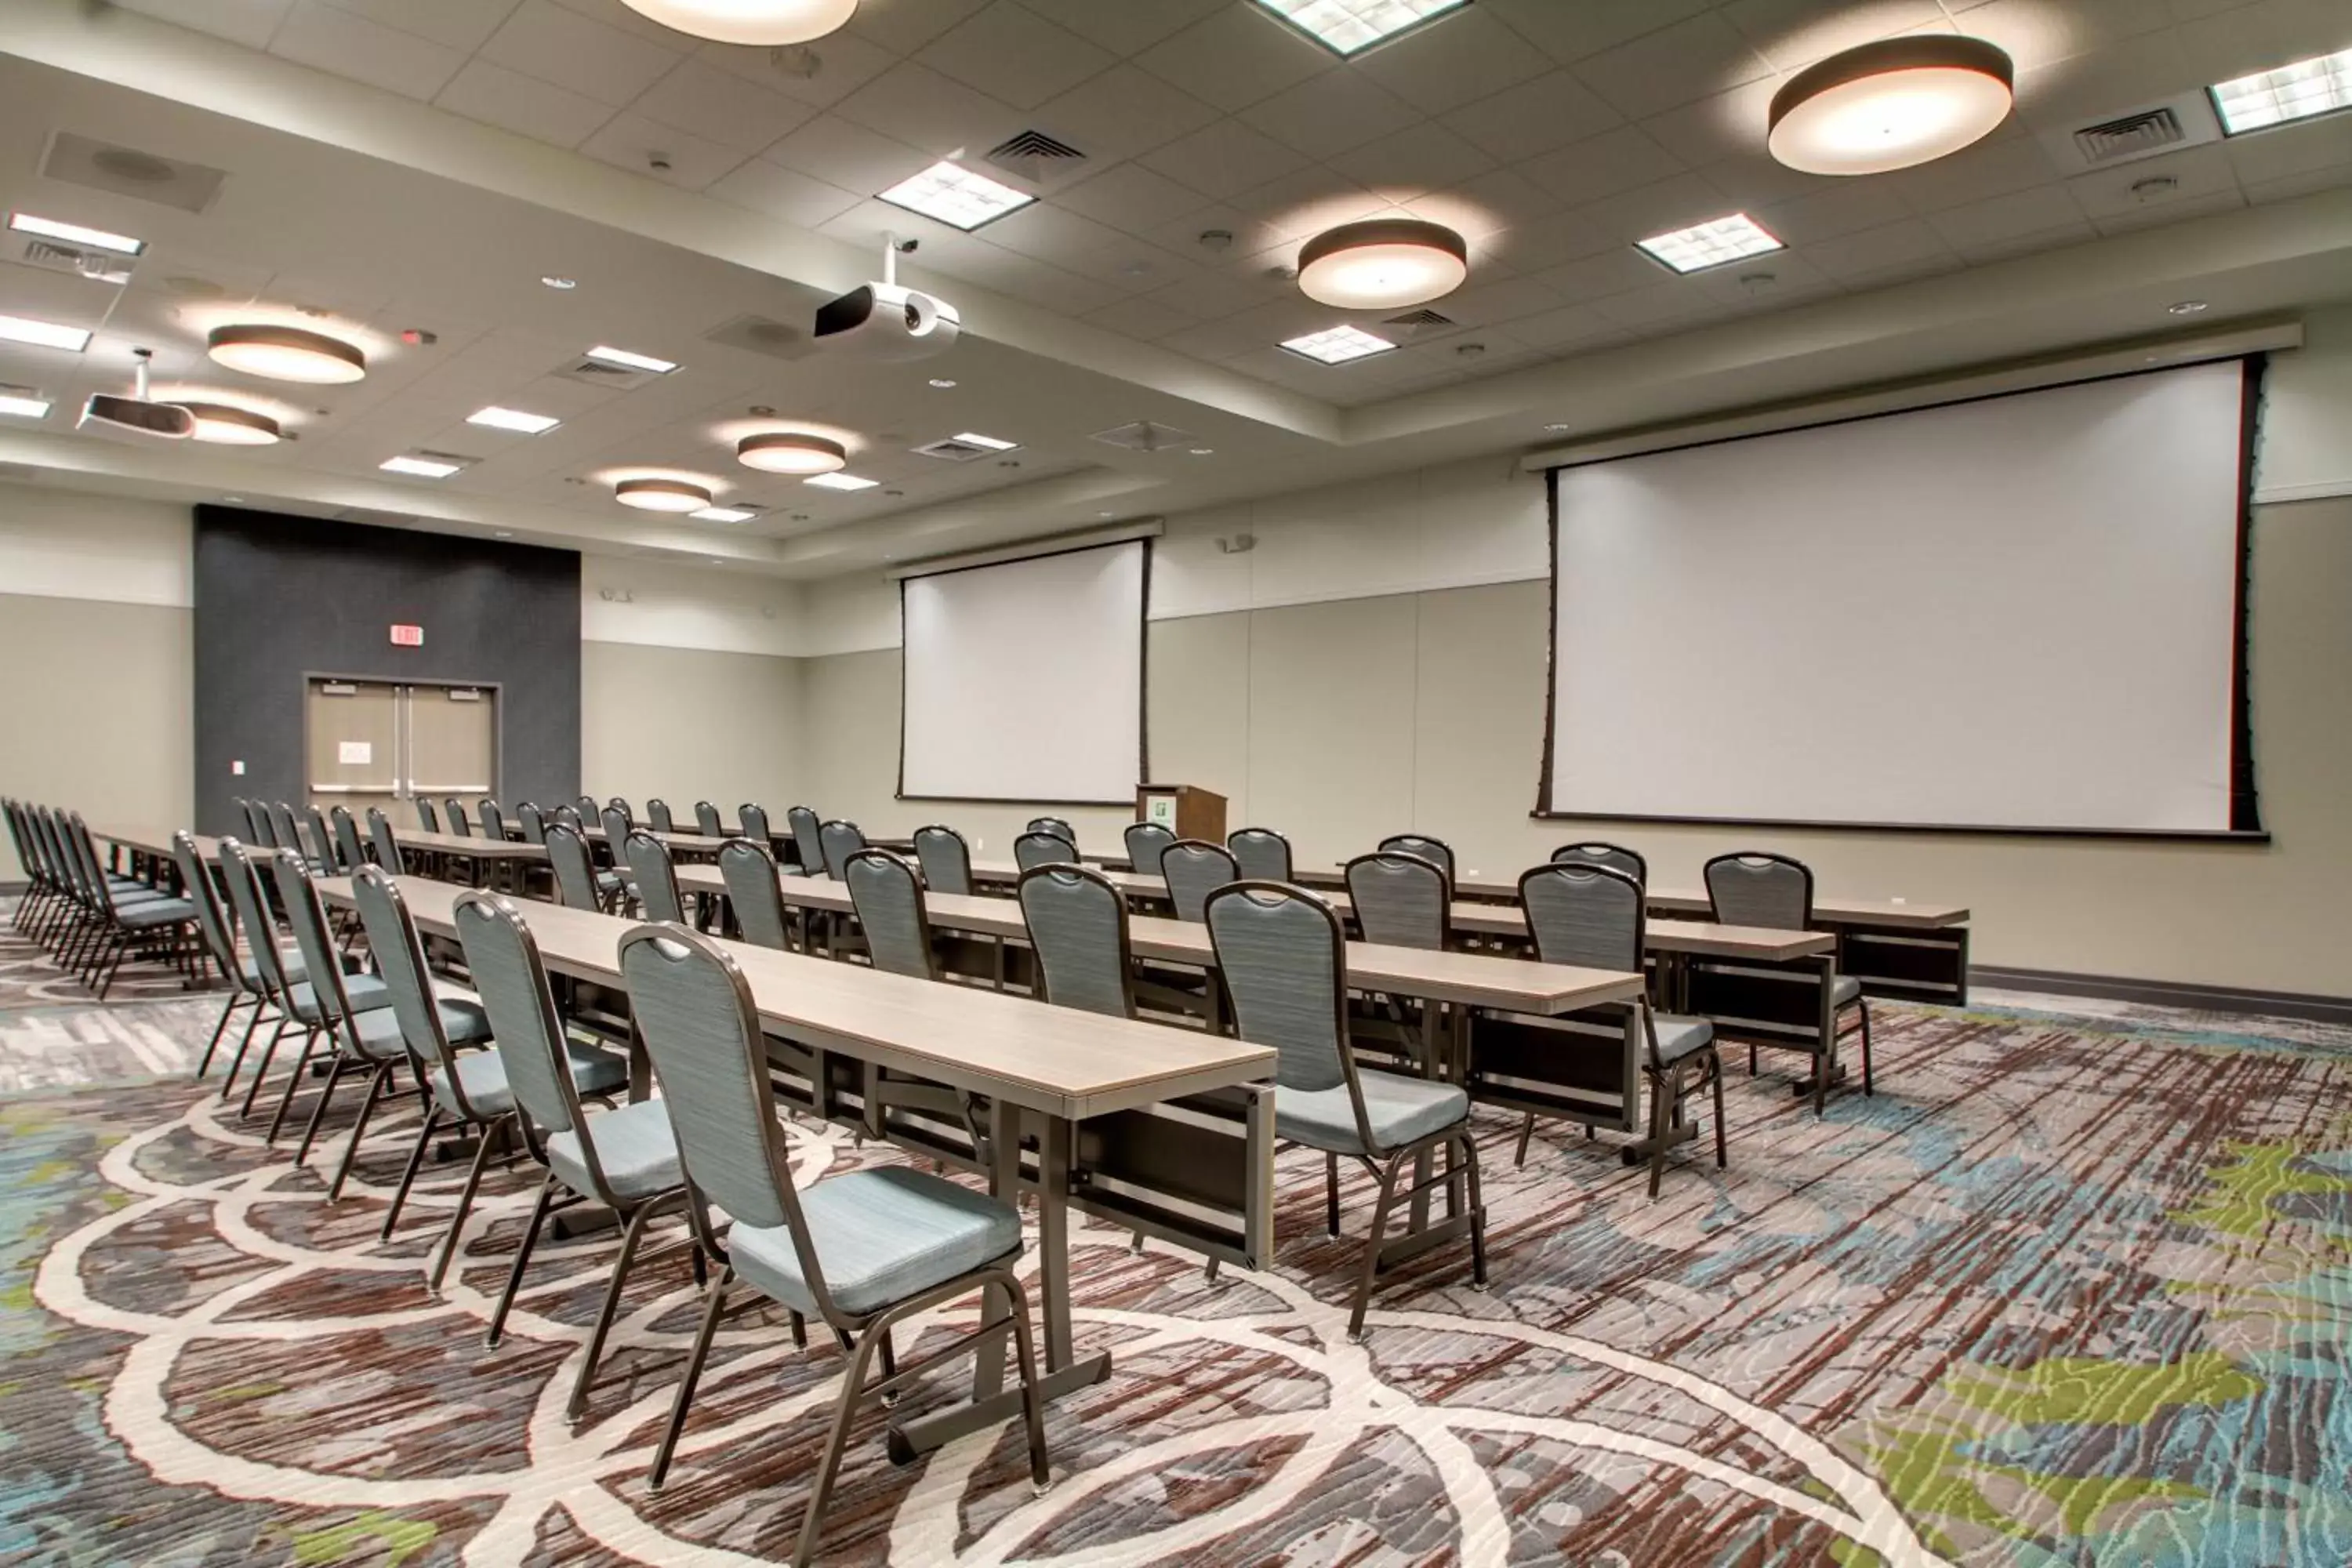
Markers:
point(1188, 811)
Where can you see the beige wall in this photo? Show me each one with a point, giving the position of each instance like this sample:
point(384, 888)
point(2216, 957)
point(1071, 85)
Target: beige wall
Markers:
point(687, 724)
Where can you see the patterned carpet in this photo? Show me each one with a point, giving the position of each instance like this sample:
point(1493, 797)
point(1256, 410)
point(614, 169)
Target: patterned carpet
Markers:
point(2075, 1289)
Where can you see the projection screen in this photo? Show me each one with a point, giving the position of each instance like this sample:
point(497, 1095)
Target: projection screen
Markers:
point(2024, 613)
point(1024, 679)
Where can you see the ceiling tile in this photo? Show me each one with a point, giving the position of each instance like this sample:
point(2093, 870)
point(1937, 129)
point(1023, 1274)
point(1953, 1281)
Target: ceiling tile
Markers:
point(513, 101)
point(1602, 165)
point(1757, 181)
point(1568, 326)
point(2291, 149)
point(2265, 35)
point(1235, 57)
point(2036, 33)
point(831, 149)
point(1619, 269)
point(2179, 211)
point(1460, 59)
point(1024, 278)
point(1214, 295)
point(2290, 187)
point(1134, 266)
point(1766, 282)
point(1728, 125)
point(2129, 74)
point(1582, 28)
point(1122, 113)
point(1043, 229)
point(783, 193)
point(628, 19)
point(461, 24)
point(1012, 54)
point(916, 104)
point(1127, 27)
point(1845, 208)
point(1550, 111)
point(1310, 200)
point(822, 73)
point(246, 22)
point(1130, 197)
point(1412, 162)
point(1792, 34)
point(1976, 173)
point(608, 64)
point(1530, 247)
point(1250, 232)
point(904, 26)
point(319, 36)
point(1496, 200)
point(1678, 301)
point(1507, 299)
point(1223, 159)
point(1876, 250)
point(1327, 115)
point(2136, 189)
point(631, 142)
point(2008, 217)
point(1656, 208)
point(1142, 317)
point(720, 107)
point(1693, 59)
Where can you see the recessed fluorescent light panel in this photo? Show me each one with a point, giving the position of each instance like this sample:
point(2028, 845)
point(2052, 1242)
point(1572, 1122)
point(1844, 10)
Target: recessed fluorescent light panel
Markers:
point(1348, 26)
point(420, 468)
point(1706, 245)
point(43, 334)
point(24, 404)
point(724, 514)
point(956, 196)
point(514, 420)
point(991, 442)
point(74, 234)
point(2319, 86)
point(840, 482)
point(1338, 345)
point(630, 361)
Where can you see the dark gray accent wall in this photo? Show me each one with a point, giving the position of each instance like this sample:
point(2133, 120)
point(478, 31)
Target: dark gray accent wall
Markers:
point(279, 598)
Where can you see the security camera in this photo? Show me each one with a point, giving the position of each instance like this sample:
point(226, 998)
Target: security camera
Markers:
point(887, 321)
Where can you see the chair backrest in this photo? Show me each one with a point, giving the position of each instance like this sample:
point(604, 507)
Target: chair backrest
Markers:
point(387, 843)
point(569, 817)
point(1584, 913)
point(754, 819)
point(531, 823)
point(494, 820)
point(219, 939)
point(1430, 849)
point(1056, 826)
point(331, 852)
point(283, 831)
point(649, 868)
point(502, 957)
point(399, 955)
point(425, 815)
point(890, 901)
point(305, 917)
point(348, 847)
point(749, 873)
point(1077, 925)
point(93, 867)
point(1282, 955)
point(707, 821)
point(946, 860)
point(1401, 899)
point(458, 823)
point(658, 815)
point(1761, 889)
point(1616, 856)
point(808, 840)
point(1263, 855)
point(1034, 849)
point(587, 807)
point(839, 841)
point(252, 906)
point(1145, 841)
point(575, 868)
point(1194, 868)
point(620, 804)
point(618, 829)
point(257, 824)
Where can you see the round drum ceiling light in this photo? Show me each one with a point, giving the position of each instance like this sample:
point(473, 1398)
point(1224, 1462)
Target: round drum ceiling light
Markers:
point(1383, 264)
point(1890, 105)
point(763, 23)
point(661, 495)
point(286, 354)
point(226, 426)
point(791, 452)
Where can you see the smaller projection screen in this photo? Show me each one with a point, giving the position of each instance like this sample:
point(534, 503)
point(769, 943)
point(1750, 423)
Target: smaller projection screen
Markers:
point(2022, 613)
point(1024, 679)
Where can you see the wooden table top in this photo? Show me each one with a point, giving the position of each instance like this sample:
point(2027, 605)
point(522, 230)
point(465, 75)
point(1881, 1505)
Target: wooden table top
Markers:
point(692, 843)
point(468, 845)
point(1056, 1060)
point(157, 841)
point(1903, 913)
point(1477, 980)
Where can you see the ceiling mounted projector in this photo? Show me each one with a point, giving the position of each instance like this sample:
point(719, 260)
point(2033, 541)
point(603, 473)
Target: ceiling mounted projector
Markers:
point(885, 322)
point(136, 417)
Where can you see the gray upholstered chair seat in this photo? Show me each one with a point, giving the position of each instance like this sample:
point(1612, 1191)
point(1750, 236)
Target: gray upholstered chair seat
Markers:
point(881, 1235)
point(634, 1147)
point(365, 993)
point(148, 912)
point(381, 1039)
point(1401, 1110)
point(1843, 989)
point(1679, 1039)
point(296, 972)
point(483, 1077)
point(609, 881)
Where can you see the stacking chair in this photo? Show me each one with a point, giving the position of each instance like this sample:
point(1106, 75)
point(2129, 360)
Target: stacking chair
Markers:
point(24, 917)
point(579, 884)
point(587, 807)
point(808, 841)
point(658, 815)
point(531, 823)
point(127, 915)
point(387, 845)
point(348, 847)
point(1616, 856)
point(651, 877)
point(1401, 899)
point(946, 860)
point(618, 829)
point(838, 842)
point(1430, 849)
point(1284, 959)
point(426, 816)
point(707, 820)
point(329, 857)
point(754, 821)
point(1758, 888)
point(749, 873)
point(241, 974)
point(1035, 848)
point(888, 897)
point(1056, 826)
point(1194, 868)
point(620, 804)
point(458, 823)
point(256, 823)
point(1145, 841)
point(1077, 927)
point(287, 833)
point(494, 820)
point(1262, 854)
point(471, 1089)
point(284, 981)
point(860, 1251)
point(625, 1158)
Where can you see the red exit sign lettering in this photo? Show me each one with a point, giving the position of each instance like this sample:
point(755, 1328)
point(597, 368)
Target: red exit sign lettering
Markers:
point(407, 636)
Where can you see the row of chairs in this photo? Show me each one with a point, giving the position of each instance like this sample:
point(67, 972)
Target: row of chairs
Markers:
point(491, 816)
point(90, 919)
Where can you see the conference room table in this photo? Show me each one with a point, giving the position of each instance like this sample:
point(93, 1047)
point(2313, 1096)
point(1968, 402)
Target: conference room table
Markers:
point(146, 853)
point(1049, 1069)
point(481, 855)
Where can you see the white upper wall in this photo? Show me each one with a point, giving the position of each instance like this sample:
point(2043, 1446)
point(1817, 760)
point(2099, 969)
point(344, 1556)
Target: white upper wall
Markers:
point(2307, 446)
point(66, 545)
point(661, 606)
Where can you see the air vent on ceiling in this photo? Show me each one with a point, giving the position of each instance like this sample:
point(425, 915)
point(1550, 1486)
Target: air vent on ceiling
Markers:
point(2143, 130)
point(52, 255)
point(953, 451)
point(2149, 131)
point(1143, 436)
point(764, 335)
point(1421, 320)
point(128, 171)
point(1035, 156)
point(597, 373)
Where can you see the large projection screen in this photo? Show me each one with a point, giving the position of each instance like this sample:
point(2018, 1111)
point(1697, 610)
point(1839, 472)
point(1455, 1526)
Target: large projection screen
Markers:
point(1024, 679)
point(2022, 614)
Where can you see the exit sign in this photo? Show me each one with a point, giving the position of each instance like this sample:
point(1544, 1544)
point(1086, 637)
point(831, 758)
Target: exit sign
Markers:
point(407, 636)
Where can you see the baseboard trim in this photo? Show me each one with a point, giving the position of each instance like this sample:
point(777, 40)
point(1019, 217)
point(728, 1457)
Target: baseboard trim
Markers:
point(2169, 994)
point(9, 890)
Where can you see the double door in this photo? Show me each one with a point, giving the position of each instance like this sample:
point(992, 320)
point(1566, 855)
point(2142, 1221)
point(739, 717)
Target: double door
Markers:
point(378, 744)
